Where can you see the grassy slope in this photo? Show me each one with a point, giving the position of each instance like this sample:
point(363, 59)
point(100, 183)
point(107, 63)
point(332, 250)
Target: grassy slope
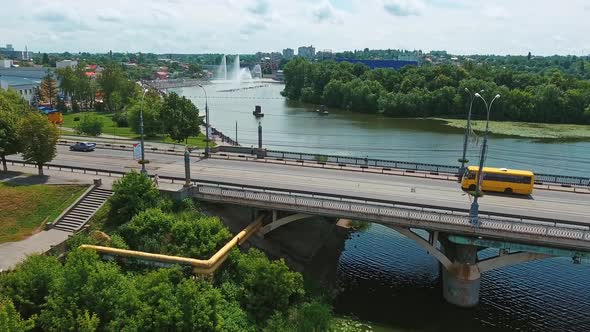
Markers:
point(525, 129)
point(109, 127)
point(23, 208)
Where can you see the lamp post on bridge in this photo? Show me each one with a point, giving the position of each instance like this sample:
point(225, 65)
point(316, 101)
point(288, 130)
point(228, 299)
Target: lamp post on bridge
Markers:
point(206, 122)
point(143, 171)
point(463, 160)
point(474, 210)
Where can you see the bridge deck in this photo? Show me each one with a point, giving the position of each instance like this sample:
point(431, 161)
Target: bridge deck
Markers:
point(564, 206)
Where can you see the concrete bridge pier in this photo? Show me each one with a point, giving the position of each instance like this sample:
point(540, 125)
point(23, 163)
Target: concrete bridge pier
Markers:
point(462, 279)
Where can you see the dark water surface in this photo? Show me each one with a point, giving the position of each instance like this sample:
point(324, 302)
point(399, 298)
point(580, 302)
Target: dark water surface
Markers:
point(387, 278)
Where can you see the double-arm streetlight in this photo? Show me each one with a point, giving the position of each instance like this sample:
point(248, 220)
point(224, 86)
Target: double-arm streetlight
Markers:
point(474, 210)
point(206, 123)
point(463, 160)
point(143, 171)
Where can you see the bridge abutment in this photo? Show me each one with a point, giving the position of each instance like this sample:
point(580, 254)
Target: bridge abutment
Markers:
point(462, 279)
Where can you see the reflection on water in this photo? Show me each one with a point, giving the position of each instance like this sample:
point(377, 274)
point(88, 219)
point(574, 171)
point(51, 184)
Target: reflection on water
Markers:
point(294, 127)
point(387, 278)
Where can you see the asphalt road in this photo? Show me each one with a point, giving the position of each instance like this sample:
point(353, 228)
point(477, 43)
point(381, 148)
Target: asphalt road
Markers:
point(546, 204)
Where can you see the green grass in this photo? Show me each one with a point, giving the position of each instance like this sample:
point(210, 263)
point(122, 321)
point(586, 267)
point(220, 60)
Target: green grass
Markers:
point(109, 127)
point(24, 208)
point(526, 129)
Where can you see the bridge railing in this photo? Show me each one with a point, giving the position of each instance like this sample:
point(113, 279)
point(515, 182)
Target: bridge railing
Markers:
point(540, 178)
point(415, 214)
point(370, 208)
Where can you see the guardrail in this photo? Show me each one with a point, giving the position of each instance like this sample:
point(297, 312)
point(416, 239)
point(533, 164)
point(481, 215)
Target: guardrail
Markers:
point(407, 215)
point(127, 147)
point(195, 182)
point(304, 193)
point(540, 178)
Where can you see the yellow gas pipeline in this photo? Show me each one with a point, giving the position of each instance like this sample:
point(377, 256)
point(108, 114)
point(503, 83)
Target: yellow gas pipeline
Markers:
point(200, 266)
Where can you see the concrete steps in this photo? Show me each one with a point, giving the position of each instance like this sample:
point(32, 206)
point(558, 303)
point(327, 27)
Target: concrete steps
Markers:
point(77, 217)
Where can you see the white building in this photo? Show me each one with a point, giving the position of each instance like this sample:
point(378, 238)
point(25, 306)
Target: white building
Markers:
point(23, 86)
point(5, 63)
point(66, 63)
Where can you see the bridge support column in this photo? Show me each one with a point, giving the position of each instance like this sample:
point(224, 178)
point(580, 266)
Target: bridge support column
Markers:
point(461, 280)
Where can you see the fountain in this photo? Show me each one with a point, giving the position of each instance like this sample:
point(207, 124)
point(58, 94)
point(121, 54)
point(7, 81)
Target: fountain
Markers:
point(222, 69)
point(235, 73)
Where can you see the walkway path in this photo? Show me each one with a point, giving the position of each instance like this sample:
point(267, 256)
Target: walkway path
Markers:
point(11, 253)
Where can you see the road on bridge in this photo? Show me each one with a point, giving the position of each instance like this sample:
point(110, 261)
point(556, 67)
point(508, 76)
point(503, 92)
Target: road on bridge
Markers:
point(543, 204)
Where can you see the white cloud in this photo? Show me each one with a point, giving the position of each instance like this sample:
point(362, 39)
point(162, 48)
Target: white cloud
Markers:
point(326, 13)
point(403, 7)
point(247, 26)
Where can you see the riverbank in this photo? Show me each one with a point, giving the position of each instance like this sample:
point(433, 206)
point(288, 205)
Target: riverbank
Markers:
point(525, 129)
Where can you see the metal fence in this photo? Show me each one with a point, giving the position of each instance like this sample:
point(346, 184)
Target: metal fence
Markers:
point(413, 214)
point(345, 160)
point(374, 207)
point(565, 180)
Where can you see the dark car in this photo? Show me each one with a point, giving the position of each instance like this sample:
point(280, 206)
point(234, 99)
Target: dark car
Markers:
point(82, 146)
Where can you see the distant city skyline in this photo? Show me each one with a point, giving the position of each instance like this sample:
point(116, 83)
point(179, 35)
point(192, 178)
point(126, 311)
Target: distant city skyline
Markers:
point(543, 27)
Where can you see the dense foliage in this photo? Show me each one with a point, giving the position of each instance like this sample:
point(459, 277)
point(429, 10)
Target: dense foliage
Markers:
point(90, 125)
point(85, 293)
point(38, 139)
point(428, 91)
point(13, 109)
point(134, 193)
point(180, 117)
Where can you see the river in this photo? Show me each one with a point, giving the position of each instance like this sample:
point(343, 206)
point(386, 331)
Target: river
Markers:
point(385, 277)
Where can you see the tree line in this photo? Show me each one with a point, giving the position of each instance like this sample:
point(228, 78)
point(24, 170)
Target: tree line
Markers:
point(85, 293)
point(24, 130)
point(439, 91)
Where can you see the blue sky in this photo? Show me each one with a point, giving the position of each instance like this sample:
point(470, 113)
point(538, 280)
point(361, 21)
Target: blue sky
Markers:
point(543, 27)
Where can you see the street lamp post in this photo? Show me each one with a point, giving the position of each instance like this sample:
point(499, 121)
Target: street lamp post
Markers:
point(143, 171)
point(463, 160)
point(474, 210)
point(206, 123)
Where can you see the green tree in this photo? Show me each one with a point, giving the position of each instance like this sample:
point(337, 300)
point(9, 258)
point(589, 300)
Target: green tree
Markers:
point(38, 138)
point(29, 283)
point(12, 110)
point(90, 125)
point(267, 286)
point(115, 86)
point(133, 193)
point(179, 117)
point(10, 319)
point(68, 81)
point(151, 106)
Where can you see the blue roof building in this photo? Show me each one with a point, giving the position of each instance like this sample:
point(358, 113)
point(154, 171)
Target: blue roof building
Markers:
point(395, 64)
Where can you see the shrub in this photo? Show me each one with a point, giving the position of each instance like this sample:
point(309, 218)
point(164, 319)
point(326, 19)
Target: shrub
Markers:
point(77, 118)
point(120, 118)
point(134, 193)
point(90, 125)
point(266, 286)
point(10, 319)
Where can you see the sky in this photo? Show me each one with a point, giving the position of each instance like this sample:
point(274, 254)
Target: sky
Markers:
point(543, 27)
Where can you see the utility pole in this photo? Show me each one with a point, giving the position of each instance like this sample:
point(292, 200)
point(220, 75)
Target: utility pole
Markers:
point(463, 160)
point(236, 132)
point(474, 210)
point(143, 171)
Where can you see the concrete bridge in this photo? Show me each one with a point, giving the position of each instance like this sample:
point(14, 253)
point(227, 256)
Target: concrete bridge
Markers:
point(452, 240)
point(550, 223)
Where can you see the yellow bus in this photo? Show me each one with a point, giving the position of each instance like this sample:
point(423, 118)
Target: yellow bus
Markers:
point(500, 180)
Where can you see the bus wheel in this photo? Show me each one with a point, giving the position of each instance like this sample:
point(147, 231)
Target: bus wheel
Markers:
point(472, 187)
point(508, 190)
